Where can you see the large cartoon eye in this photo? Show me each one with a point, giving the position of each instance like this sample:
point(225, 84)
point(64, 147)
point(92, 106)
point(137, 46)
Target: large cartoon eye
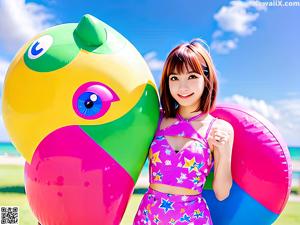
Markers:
point(92, 100)
point(40, 46)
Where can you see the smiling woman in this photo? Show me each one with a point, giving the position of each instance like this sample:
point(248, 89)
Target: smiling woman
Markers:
point(193, 164)
point(188, 70)
point(187, 143)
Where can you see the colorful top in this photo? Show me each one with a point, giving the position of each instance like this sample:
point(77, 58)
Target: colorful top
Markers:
point(190, 166)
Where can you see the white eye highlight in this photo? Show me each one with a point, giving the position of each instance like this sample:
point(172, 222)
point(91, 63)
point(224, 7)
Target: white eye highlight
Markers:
point(94, 97)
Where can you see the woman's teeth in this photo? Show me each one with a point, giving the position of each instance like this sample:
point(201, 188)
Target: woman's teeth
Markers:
point(185, 96)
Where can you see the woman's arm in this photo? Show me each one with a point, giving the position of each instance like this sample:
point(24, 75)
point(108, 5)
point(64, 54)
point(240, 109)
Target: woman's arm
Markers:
point(222, 158)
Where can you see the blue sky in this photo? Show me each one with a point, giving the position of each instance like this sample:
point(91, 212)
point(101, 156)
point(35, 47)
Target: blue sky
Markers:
point(255, 48)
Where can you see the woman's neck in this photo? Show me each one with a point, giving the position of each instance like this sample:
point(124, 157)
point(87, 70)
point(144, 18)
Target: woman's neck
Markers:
point(188, 111)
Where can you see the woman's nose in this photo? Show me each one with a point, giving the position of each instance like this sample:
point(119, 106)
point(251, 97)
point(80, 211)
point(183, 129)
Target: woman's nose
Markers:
point(183, 86)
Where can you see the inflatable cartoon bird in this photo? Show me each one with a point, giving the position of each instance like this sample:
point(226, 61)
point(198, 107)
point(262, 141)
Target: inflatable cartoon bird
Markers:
point(81, 106)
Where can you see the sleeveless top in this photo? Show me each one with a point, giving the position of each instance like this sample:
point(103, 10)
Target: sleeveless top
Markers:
point(187, 168)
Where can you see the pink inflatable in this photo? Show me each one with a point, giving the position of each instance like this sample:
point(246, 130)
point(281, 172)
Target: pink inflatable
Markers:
point(261, 170)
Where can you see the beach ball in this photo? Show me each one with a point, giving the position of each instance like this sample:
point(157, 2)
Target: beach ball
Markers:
point(261, 171)
point(81, 106)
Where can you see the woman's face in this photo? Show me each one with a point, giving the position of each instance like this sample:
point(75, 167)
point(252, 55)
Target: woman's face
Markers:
point(186, 88)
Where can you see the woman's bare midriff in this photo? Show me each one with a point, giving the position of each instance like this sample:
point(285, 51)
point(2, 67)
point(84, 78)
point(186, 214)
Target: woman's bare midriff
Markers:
point(172, 189)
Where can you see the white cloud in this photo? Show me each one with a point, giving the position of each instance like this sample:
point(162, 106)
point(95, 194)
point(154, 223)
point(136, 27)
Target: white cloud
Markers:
point(3, 133)
point(217, 33)
point(236, 19)
point(224, 46)
point(260, 106)
point(293, 94)
point(3, 68)
point(20, 21)
point(153, 62)
point(283, 114)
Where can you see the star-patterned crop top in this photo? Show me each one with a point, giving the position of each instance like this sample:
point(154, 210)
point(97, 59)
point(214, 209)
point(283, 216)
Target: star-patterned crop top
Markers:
point(186, 168)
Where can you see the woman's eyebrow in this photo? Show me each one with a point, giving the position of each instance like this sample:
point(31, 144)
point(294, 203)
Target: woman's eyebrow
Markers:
point(180, 74)
point(192, 72)
point(175, 74)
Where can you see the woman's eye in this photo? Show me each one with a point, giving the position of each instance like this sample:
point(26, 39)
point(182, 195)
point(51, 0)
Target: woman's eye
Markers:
point(40, 46)
point(173, 78)
point(193, 77)
point(92, 100)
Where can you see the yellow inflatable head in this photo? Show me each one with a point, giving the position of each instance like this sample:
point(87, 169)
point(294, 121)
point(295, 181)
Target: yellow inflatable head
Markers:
point(78, 74)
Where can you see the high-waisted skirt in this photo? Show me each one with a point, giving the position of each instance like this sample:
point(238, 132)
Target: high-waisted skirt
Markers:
point(162, 208)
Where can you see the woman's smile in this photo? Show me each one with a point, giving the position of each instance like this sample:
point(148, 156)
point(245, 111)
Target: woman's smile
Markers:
point(185, 96)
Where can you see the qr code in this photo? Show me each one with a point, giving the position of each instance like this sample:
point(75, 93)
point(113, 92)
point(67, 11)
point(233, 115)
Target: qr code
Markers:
point(10, 215)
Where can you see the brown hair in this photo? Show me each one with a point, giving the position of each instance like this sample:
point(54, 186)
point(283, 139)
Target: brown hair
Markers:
point(182, 56)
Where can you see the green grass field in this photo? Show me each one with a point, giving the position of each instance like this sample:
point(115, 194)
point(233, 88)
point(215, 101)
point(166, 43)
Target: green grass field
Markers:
point(12, 194)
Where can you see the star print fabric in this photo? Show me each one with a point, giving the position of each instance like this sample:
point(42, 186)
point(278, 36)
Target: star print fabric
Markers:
point(188, 168)
point(161, 208)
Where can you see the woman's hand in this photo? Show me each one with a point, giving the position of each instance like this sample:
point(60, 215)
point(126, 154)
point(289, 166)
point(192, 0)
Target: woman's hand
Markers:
point(219, 136)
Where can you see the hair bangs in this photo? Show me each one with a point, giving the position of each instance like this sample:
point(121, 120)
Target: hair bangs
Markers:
point(183, 60)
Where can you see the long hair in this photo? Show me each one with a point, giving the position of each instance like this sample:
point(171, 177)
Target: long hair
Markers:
point(182, 56)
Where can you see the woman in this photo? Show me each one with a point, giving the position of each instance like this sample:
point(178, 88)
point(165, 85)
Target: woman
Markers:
point(187, 143)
